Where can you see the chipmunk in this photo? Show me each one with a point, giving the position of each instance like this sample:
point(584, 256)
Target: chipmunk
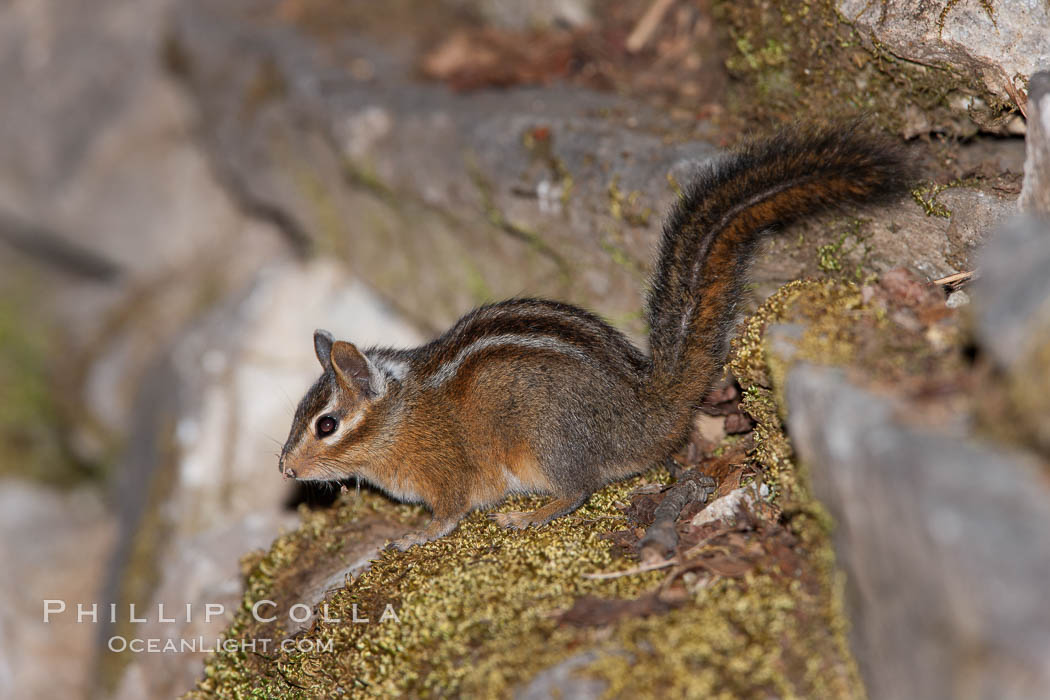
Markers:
point(533, 396)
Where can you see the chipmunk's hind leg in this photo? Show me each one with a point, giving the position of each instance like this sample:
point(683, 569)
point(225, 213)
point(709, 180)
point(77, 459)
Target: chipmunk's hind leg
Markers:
point(518, 520)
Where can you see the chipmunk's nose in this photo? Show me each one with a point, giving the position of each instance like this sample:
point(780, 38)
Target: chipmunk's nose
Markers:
point(289, 473)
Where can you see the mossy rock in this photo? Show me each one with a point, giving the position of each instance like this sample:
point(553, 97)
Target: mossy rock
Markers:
point(482, 611)
point(806, 60)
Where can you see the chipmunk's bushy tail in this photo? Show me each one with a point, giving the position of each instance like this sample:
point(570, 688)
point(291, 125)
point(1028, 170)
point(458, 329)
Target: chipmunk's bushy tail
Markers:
point(710, 237)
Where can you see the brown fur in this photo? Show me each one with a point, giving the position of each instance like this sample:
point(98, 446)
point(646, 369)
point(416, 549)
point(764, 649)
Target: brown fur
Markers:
point(543, 397)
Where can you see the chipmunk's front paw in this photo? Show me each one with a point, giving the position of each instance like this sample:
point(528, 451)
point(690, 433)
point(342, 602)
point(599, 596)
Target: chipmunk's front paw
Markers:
point(514, 520)
point(409, 540)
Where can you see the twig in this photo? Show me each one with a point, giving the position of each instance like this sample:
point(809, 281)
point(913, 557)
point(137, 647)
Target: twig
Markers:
point(288, 680)
point(641, 569)
point(686, 558)
point(957, 278)
point(597, 518)
point(643, 31)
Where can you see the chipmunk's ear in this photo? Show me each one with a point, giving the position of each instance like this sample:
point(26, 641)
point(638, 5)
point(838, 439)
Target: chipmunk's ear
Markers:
point(323, 347)
point(353, 370)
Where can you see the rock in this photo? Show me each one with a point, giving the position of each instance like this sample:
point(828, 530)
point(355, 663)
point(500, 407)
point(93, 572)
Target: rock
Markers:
point(485, 196)
point(54, 548)
point(1035, 192)
point(200, 247)
point(236, 377)
point(333, 572)
point(198, 571)
point(973, 216)
point(901, 236)
point(562, 681)
point(728, 506)
point(62, 62)
point(1012, 294)
point(1012, 320)
point(1002, 44)
point(244, 369)
point(104, 162)
point(957, 299)
point(941, 539)
point(527, 14)
point(110, 166)
point(552, 191)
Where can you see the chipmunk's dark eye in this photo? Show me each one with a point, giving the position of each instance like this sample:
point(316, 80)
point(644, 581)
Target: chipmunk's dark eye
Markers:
point(326, 425)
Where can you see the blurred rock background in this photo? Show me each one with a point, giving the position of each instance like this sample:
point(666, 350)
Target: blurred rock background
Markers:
point(188, 189)
point(153, 341)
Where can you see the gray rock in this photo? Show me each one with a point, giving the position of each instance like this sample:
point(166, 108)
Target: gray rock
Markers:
point(1012, 295)
point(957, 299)
point(242, 371)
point(190, 359)
point(366, 542)
point(526, 14)
point(974, 217)
point(54, 548)
point(562, 681)
point(229, 391)
point(458, 184)
point(943, 541)
point(97, 156)
point(60, 113)
point(1002, 43)
point(366, 167)
point(198, 571)
point(1012, 321)
point(1035, 192)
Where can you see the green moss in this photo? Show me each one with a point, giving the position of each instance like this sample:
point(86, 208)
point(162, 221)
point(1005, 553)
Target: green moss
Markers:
point(836, 328)
point(364, 175)
point(1014, 404)
point(925, 195)
point(627, 206)
point(828, 255)
point(567, 185)
point(826, 309)
point(32, 420)
point(726, 649)
point(483, 593)
point(629, 319)
point(480, 291)
point(478, 616)
point(1028, 387)
point(851, 242)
